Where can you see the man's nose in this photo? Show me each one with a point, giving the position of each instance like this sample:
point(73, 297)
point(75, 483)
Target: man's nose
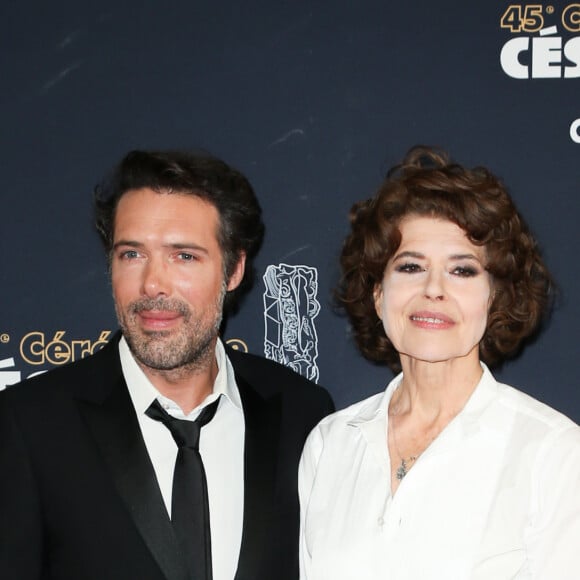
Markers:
point(156, 280)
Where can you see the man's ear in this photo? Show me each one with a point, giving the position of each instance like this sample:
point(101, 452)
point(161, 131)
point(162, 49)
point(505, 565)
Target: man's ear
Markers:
point(238, 273)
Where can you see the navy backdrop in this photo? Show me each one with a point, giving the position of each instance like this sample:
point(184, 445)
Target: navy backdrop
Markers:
point(313, 101)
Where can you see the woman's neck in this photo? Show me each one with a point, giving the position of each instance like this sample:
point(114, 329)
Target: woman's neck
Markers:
point(435, 390)
point(428, 399)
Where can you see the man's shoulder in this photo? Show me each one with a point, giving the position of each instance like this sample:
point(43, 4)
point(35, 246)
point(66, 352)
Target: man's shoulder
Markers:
point(271, 377)
point(67, 378)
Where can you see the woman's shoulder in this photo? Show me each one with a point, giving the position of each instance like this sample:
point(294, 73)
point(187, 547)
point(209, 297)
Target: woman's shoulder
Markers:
point(367, 410)
point(360, 411)
point(356, 415)
point(337, 436)
point(536, 428)
point(534, 411)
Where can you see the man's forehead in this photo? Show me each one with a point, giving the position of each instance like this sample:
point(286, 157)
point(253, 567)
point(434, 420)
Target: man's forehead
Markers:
point(146, 210)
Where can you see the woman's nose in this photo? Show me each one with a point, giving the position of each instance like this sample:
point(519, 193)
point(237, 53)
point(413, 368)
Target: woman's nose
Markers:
point(435, 286)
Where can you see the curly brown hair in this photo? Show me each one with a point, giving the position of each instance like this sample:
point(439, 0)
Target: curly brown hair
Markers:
point(427, 183)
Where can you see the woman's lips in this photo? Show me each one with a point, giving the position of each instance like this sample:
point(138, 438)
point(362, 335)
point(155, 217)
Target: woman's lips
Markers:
point(427, 319)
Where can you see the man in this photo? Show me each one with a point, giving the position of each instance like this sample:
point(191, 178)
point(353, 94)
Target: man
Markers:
point(88, 472)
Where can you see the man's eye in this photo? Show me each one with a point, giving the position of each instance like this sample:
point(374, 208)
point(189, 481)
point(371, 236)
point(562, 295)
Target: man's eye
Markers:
point(409, 268)
point(129, 254)
point(186, 256)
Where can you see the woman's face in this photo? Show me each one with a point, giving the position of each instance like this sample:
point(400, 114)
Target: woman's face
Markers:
point(435, 294)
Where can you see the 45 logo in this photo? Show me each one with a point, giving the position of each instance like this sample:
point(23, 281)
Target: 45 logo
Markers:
point(530, 18)
point(547, 55)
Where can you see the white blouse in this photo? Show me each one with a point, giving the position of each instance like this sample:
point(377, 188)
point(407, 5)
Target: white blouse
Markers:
point(495, 497)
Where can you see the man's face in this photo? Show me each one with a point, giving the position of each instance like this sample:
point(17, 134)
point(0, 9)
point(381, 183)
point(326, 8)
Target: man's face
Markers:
point(167, 277)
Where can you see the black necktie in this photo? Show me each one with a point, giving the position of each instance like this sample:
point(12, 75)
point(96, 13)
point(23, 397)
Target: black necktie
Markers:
point(189, 503)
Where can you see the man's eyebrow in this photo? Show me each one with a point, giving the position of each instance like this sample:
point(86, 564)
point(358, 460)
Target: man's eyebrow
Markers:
point(130, 243)
point(186, 246)
point(172, 246)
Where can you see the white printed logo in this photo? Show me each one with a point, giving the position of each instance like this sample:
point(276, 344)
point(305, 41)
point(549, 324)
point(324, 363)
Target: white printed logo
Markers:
point(8, 378)
point(545, 54)
point(290, 306)
point(575, 131)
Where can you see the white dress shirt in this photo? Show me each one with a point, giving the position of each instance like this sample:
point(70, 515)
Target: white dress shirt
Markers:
point(495, 497)
point(221, 447)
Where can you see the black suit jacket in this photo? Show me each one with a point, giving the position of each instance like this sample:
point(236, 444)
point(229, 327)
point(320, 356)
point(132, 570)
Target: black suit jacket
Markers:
point(79, 499)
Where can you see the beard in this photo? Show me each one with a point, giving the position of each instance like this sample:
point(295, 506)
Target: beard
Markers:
point(189, 347)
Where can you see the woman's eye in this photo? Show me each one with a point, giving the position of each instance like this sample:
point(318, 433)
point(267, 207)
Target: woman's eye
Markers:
point(465, 271)
point(409, 268)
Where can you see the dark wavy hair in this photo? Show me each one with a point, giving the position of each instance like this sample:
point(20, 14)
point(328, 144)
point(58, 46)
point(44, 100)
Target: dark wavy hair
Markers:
point(427, 183)
point(241, 228)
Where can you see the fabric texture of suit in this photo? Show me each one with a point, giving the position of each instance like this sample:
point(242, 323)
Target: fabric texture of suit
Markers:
point(78, 494)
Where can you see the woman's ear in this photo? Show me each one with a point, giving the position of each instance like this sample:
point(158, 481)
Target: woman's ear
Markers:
point(378, 299)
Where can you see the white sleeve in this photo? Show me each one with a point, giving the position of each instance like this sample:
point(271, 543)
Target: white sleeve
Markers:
point(306, 477)
point(554, 538)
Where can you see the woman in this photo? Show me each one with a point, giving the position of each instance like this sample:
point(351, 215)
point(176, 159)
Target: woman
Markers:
point(448, 474)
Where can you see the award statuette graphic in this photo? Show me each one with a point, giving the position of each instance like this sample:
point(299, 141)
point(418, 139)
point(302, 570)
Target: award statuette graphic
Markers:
point(290, 306)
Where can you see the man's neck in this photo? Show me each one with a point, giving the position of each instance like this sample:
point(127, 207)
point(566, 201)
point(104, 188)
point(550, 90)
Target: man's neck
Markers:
point(189, 385)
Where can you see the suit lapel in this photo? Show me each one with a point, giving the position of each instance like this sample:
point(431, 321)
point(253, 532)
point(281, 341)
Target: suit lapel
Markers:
point(115, 428)
point(262, 432)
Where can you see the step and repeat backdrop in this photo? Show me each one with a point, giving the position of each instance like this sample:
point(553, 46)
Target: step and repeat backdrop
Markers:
point(313, 101)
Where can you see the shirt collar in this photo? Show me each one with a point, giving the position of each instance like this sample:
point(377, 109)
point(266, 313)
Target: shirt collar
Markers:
point(143, 393)
point(375, 408)
point(372, 418)
point(485, 392)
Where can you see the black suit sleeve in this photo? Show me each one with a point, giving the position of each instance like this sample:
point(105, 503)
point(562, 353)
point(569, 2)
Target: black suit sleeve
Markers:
point(20, 520)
